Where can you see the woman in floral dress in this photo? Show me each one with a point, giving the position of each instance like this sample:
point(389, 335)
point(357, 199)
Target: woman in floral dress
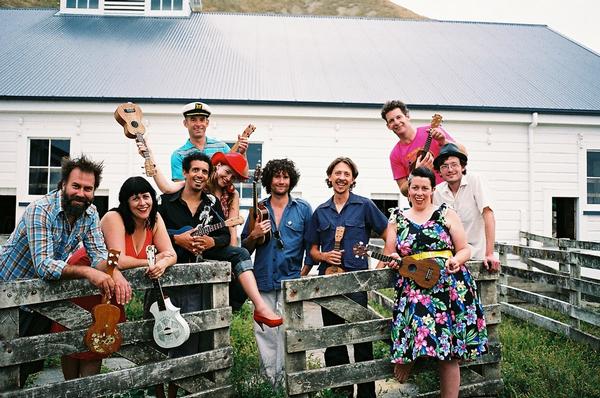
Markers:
point(444, 322)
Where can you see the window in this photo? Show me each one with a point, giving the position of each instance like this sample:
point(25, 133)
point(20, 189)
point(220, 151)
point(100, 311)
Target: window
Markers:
point(44, 164)
point(157, 5)
point(101, 203)
point(93, 4)
point(593, 177)
point(254, 157)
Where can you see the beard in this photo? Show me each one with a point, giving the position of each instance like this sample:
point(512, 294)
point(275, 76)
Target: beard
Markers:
point(74, 206)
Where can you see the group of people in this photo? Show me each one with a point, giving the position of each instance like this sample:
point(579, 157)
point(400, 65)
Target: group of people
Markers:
point(60, 233)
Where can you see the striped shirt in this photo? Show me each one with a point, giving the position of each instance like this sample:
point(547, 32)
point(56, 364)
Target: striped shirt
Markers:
point(211, 147)
point(43, 240)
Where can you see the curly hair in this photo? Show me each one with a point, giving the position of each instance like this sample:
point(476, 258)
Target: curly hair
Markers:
point(84, 164)
point(275, 166)
point(186, 163)
point(391, 105)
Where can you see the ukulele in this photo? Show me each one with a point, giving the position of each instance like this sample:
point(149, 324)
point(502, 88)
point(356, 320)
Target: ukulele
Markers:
point(425, 273)
point(246, 134)
point(436, 121)
point(170, 329)
point(332, 268)
point(129, 116)
point(258, 212)
point(103, 337)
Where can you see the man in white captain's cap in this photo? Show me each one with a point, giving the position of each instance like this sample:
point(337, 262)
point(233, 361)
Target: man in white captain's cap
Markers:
point(196, 119)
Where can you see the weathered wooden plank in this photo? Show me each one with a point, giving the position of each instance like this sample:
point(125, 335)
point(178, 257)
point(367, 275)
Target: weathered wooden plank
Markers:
point(220, 298)
point(331, 336)
point(336, 376)
point(551, 325)
point(480, 389)
point(562, 281)
point(585, 260)
point(381, 299)
point(137, 377)
point(480, 273)
point(25, 349)
point(526, 251)
point(34, 291)
point(532, 262)
point(9, 329)
point(66, 313)
point(488, 293)
point(538, 299)
point(347, 309)
point(293, 314)
point(221, 392)
point(545, 240)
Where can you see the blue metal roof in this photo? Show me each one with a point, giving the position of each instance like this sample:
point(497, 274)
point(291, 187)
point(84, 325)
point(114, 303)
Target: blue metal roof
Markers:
point(296, 60)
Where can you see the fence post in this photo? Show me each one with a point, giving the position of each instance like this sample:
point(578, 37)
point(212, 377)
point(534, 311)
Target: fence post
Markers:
point(574, 295)
point(9, 329)
point(220, 299)
point(503, 277)
point(293, 314)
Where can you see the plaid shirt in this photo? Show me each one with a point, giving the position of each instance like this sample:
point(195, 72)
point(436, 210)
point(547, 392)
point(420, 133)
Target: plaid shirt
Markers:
point(44, 239)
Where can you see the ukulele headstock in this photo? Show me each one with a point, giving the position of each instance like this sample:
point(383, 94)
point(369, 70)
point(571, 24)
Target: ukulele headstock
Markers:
point(436, 121)
point(151, 255)
point(257, 173)
point(113, 258)
point(360, 250)
point(339, 233)
point(129, 115)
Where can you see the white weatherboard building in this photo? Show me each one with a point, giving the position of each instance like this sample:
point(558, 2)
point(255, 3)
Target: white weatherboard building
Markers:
point(529, 114)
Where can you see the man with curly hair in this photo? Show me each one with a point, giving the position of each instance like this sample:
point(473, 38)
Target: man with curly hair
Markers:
point(280, 258)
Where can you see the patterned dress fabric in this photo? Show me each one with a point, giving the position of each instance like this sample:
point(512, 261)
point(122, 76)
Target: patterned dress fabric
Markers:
point(446, 321)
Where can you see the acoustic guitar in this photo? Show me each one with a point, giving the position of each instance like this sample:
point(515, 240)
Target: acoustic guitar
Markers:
point(332, 268)
point(103, 337)
point(258, 212)
point(129, 116)
point(170, 329)
point(425, 273)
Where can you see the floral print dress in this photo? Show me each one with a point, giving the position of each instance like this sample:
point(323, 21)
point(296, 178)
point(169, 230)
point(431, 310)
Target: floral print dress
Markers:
point(446, 321)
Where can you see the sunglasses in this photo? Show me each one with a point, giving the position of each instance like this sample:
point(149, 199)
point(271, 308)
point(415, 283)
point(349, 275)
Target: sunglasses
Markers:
point(278, 240)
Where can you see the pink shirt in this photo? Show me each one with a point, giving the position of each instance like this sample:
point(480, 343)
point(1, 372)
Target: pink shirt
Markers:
point(403, 155)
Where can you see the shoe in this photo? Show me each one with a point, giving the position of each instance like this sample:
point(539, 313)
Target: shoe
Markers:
point(270, 322)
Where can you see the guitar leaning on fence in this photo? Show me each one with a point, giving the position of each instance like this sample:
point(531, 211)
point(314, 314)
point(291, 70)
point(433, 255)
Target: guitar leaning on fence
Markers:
point(170, 329)
point(103, 337)
point(258, 212)
point(332, 268)
point(129, 115)
point(425, 273)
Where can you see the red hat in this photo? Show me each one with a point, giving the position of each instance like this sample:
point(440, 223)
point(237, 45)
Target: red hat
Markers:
point(235, 160)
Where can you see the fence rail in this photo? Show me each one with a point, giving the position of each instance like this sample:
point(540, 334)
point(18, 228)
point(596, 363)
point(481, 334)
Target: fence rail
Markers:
point(565, 279)
point(201, 374)
point(364, 325)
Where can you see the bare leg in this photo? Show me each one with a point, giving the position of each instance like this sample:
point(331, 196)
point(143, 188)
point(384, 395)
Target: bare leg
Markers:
point(402, 371)
point(70, 367)
point(172, 390)
point(89, 367)
point(248, 283)
point(449, 378)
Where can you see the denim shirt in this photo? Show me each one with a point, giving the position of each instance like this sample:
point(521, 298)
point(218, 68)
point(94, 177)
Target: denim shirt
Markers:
point(273, 264)
point(359, 216)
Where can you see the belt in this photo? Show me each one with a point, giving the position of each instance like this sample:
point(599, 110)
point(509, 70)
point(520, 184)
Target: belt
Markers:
point(424, 255)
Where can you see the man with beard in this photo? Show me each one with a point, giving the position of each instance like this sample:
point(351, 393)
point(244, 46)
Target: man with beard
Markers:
point(281, 257)
point(359, 216)
point(196, 120)
point(52, 228)
point(410, 142)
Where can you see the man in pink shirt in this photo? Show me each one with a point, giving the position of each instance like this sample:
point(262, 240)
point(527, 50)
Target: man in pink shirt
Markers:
point(403, 157)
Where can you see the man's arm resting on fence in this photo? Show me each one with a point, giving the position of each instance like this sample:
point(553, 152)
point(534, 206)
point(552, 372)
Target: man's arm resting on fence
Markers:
point(489, 221)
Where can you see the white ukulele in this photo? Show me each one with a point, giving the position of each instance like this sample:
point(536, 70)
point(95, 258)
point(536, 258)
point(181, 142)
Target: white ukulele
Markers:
point(170, 329)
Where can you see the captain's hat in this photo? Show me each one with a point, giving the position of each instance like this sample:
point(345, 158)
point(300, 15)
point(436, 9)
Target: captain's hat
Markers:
point(196, 109)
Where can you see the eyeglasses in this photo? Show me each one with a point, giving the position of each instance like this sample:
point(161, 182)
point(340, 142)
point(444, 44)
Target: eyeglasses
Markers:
point(277, 237)
point(450, 166)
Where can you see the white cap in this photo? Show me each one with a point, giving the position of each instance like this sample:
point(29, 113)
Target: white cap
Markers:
point(196, 109)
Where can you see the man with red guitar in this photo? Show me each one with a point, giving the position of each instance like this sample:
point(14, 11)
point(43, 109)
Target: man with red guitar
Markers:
point(196, 120)
point(405, 155)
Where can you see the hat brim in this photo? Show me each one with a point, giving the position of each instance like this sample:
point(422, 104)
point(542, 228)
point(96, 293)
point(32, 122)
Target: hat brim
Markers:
point(242, 172)
point(440, 158)
point(196, 113)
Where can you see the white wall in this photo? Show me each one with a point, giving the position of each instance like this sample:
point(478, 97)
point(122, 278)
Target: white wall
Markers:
point(313, 136)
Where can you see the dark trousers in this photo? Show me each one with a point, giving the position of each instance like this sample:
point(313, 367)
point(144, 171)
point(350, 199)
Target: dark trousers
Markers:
point(339, 355)
point(240, 261)
point(31, 324)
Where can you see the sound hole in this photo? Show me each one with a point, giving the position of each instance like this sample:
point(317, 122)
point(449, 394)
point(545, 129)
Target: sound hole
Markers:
point(412, 267)
point(134, 124)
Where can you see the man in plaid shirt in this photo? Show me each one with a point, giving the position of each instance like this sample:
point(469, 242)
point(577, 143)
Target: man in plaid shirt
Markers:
point(51, 228)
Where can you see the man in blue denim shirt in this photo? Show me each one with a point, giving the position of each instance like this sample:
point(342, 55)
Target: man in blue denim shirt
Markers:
point(359, 216)
point(281, 257)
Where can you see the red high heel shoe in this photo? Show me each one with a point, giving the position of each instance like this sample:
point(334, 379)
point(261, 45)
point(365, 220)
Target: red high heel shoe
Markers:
point(270, 322)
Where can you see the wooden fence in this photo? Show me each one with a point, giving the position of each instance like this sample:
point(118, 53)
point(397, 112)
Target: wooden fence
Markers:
point(479, 378)
point(545, 286)
point(203, 375)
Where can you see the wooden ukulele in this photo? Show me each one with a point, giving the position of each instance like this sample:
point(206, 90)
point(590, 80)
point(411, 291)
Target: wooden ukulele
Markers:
point(246, 134)
point(103, 337)
point(425, 273)
point(332, 268)
point(436, 121)
point(258, 212)
point(170, 329)
point(129, 116)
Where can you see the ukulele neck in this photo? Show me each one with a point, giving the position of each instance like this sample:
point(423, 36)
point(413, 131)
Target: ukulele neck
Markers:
point(161, 297)
point(379, 256)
